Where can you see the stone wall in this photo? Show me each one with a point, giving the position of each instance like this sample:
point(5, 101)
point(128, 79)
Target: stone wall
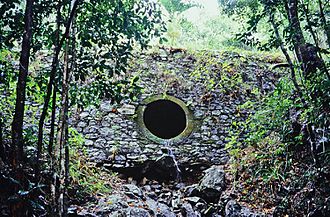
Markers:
point(211, 85)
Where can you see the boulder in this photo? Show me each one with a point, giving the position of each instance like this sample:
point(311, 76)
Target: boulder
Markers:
point(115, 201)
point(164, 168)
point(212, 184)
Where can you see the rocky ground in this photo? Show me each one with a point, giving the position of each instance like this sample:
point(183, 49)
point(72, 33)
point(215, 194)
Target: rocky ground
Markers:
point(208, 195)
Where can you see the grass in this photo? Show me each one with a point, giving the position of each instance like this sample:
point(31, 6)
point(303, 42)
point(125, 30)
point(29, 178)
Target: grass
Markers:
point(85, 175)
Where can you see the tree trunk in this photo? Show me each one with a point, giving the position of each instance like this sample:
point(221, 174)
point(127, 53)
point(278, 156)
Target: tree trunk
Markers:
point(51, 81)
point(51, 158)
point(17, 124)
point(288, 59)
point(63, 137)
point(2, 148)
point(63, 130)
point(298, 39)
point(67, 156)
point(53, 115)
point(17, 152)
point(307, 54)
point(52, 126)
point(309, 24)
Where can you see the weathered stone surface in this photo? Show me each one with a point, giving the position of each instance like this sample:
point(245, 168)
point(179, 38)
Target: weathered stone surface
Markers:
point(212, 184)
point(234, 209)
point(188, 211)
point(96, 155)
point(137, 212)
point(159, 209)
point(133, 189)
point(106, 132)
point(83, 115)
point(118, 213)
point(112, 204)
point(127, 109)
point(106, 106)
point(100, 143)
point(82, 124)
point(194, 200)
point(214, 111)
point(89, 142)
point(199, 114)
point(165, 168)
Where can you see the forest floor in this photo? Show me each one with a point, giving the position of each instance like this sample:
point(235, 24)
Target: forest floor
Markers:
point(216, 192)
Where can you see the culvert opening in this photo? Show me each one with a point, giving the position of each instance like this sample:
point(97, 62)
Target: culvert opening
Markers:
point(165, 119)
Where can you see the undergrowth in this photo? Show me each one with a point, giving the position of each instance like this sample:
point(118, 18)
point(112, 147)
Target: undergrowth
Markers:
point(282, 164)
point(86, 177)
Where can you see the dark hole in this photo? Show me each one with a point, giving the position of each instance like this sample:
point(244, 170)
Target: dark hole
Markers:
point(165, 119)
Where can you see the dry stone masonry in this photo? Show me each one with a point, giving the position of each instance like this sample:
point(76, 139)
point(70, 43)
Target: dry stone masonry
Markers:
point(210, 88)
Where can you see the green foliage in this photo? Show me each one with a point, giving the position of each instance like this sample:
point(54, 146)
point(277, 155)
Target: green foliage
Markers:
point(271, 116)
point(273, 112)
point(107, 33)
point(7, 70)
point(256, 15)
point(178, 6)
point(213, 33)
point(276, 147)
point(11, 25)
point(217, 74)
point(84, 174)
point(7, 86)
point(100, 44)
point(233, 6)
point(288, 130)
point(27, 196)
point(281, 113)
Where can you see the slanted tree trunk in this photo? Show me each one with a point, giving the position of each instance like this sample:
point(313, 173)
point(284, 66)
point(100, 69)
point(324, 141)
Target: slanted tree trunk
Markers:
point(53, 115)
point(287, 56)
point(17, 124)
point(297, 33)
point(52, 126)
point(51, 154)
point(51, 157)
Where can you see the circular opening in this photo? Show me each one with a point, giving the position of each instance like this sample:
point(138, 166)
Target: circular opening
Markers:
point(165, 119)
